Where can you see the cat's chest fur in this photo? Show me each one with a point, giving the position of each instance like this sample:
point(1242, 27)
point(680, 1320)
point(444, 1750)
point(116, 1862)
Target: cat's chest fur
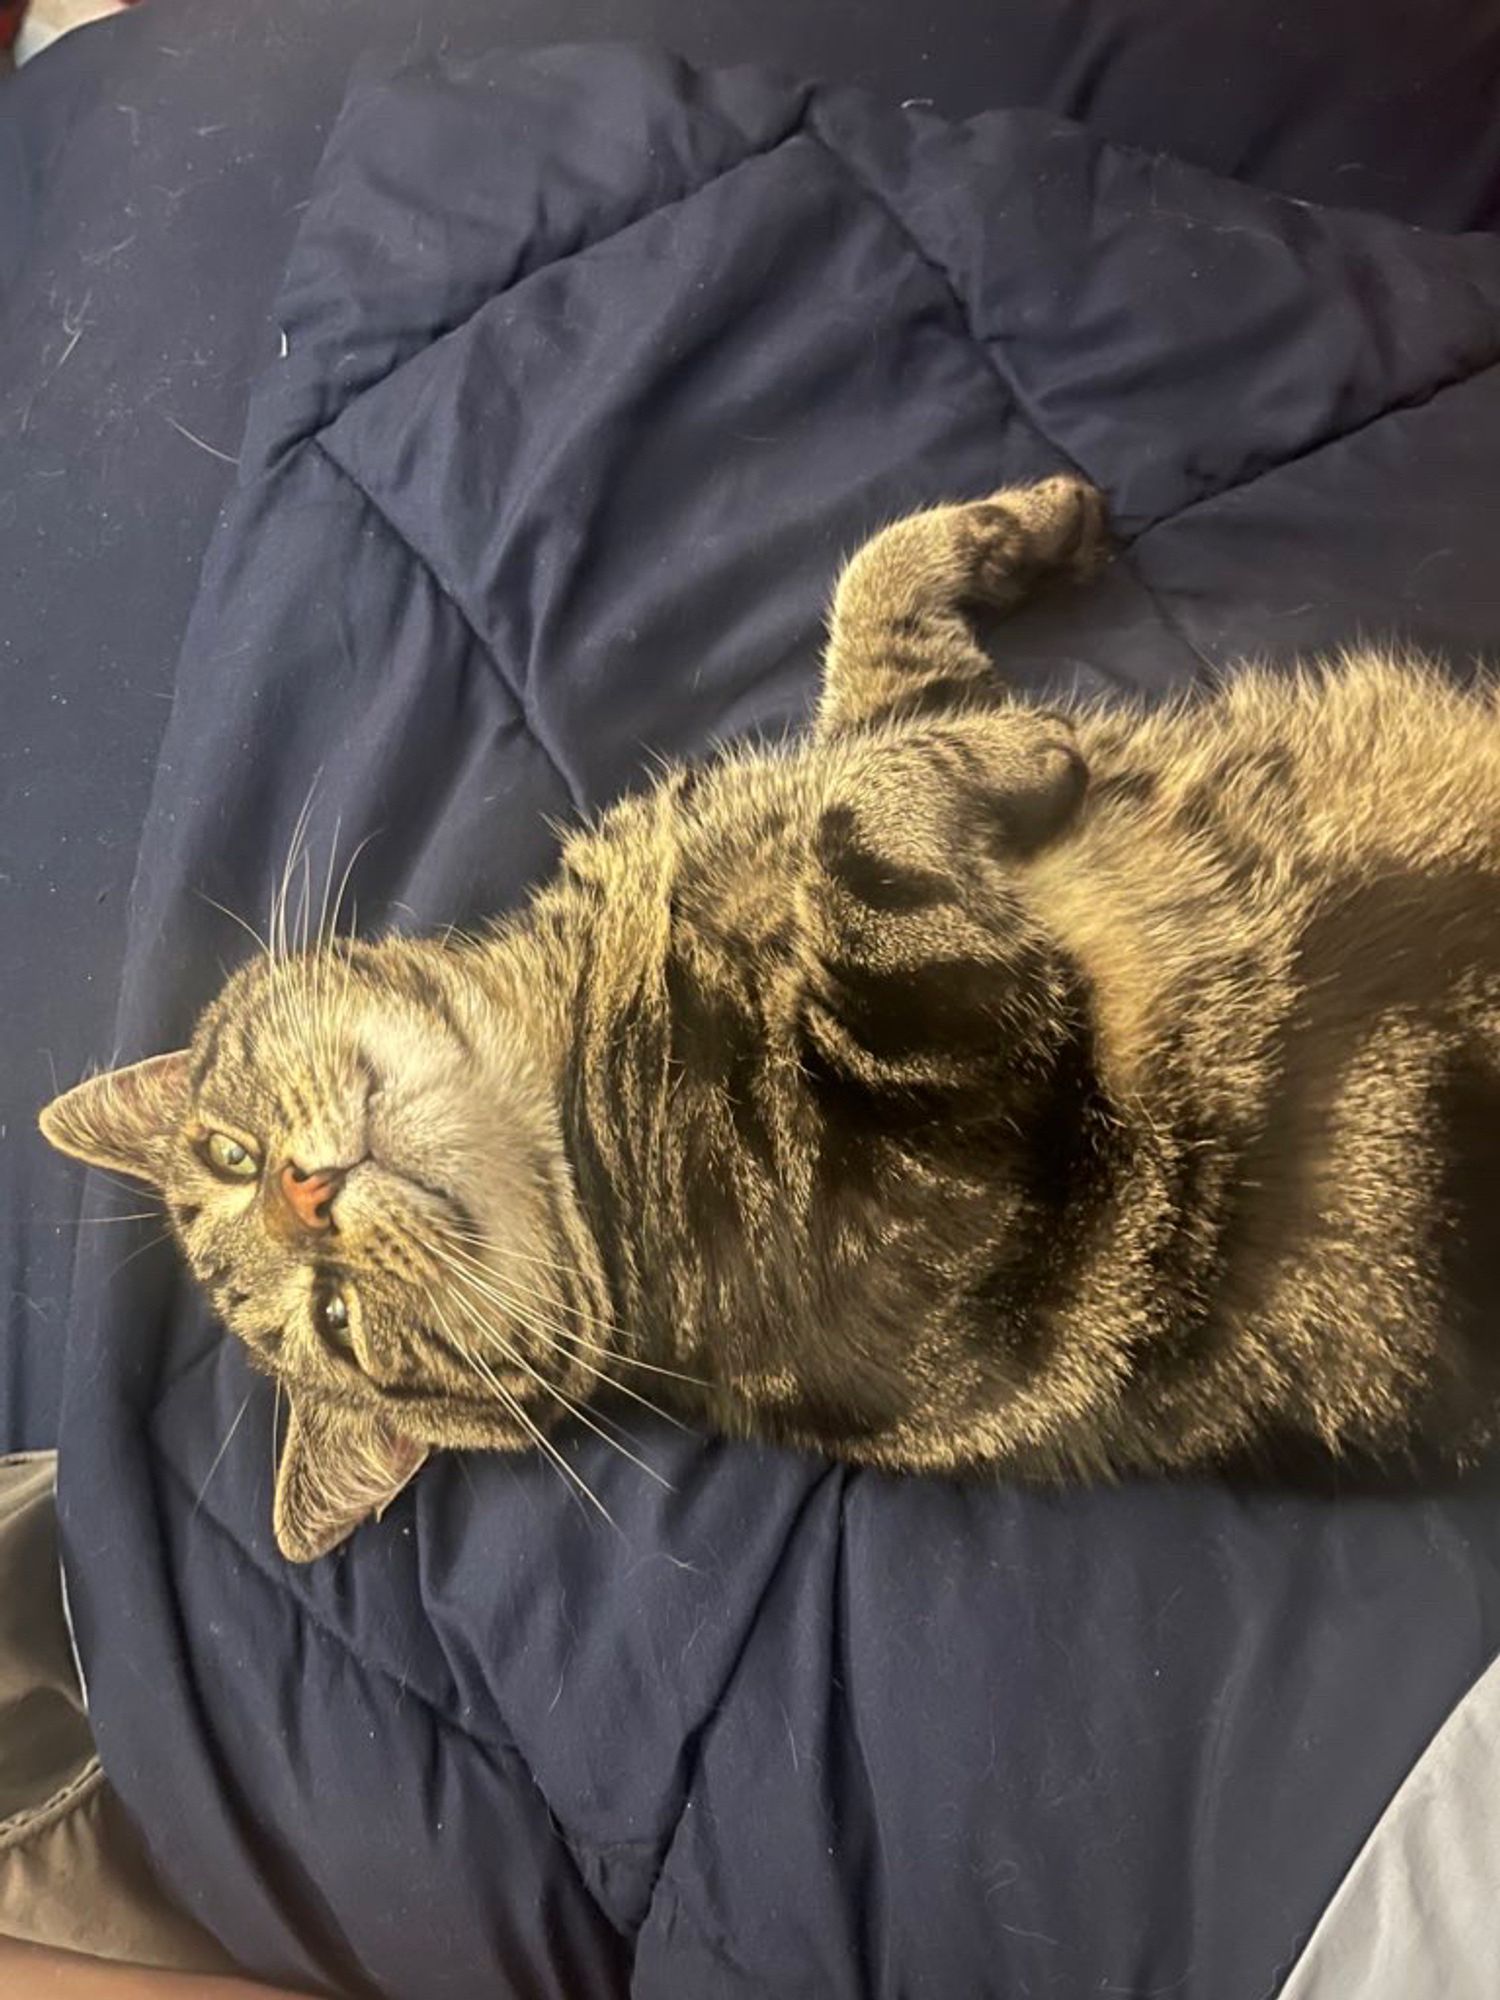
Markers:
point(1217, 1133)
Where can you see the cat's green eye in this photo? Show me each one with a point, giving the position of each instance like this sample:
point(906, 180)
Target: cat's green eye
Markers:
point(229, 1158)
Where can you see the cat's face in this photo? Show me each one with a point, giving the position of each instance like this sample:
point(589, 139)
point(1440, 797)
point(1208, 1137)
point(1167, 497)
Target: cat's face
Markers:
point(365, 1176)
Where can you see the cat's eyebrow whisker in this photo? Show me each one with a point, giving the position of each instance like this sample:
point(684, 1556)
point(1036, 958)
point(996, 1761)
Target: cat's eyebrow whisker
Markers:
point(528, 1424)
point(294, 851)
point(568, 1404)
point(333, 849)
point(304, 913)
point(338, 901)
point(233, 916)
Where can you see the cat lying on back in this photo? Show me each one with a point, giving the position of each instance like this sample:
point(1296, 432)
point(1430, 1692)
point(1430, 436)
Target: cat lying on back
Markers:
point(973, 1083)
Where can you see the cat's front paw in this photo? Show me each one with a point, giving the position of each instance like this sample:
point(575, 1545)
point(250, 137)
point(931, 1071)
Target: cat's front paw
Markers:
point(1022, 535)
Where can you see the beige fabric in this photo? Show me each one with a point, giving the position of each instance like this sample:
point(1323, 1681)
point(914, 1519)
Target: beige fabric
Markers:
point(73, 1871)
point(1414, 1919)
point(46, 20)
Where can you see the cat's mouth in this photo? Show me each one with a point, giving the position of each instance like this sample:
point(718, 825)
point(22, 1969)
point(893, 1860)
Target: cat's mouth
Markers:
point(454, 1204)
point(453, 1216)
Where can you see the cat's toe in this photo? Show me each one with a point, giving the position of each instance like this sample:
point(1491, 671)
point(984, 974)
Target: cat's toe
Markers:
point(1067, 519)
point(1024, 534)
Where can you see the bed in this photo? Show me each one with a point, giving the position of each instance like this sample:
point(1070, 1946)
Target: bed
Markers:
point(446, 429)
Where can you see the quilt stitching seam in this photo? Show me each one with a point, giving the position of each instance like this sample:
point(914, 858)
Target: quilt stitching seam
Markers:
point(692, 1748)
point(798, 128)
point(491, 1752)
point(1024, 405)
point(409, 1692)
point(325, 425)
point(992, 365)
point(317, 439)
point(1418, 401)
point(449, 597)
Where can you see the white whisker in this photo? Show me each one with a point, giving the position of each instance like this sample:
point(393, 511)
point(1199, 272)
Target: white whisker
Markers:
point(103, 1221)
point(278, 926)
point(218, 1455)
point(113, 1180)
point(225, 911)
point(532, 1429)
point(150, 1243)
point(535, 1325)
point(333, 848)
point(305, 910)
point(489, 1271)
point(338, 901)
point(568, 1404)
point(456, 1238)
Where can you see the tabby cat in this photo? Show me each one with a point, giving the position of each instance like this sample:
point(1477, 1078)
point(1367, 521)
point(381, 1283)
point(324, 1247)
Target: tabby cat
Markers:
point(1070, 1092)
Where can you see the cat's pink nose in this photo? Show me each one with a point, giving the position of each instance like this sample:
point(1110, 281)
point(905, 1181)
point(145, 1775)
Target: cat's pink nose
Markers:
point(310, 1195)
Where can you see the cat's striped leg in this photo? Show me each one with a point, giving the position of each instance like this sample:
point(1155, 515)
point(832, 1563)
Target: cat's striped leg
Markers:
point(901, 637)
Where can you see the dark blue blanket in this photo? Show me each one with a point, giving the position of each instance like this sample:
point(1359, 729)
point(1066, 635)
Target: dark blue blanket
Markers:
point(593, 368)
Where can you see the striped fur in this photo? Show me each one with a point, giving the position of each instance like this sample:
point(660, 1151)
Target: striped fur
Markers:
point(969, 1084)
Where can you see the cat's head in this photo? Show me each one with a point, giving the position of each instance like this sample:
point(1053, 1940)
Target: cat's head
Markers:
point(368, 1181)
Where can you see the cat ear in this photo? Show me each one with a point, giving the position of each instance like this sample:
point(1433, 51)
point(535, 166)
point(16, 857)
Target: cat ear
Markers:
point(123, 1120)
point(338, 1468)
